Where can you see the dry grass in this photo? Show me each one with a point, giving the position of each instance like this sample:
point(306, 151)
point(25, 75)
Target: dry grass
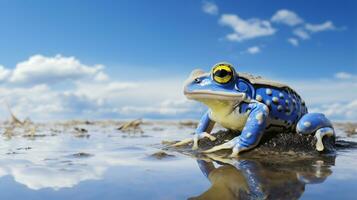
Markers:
point(132, 126)
point(15, 125)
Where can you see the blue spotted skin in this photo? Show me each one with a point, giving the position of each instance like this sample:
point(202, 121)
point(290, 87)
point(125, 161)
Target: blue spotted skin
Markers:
point(254, 127)
point(269, 108)
point(285, 106)
point(311, 122)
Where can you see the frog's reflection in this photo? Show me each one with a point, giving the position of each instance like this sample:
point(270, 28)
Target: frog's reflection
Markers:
point(262, 178)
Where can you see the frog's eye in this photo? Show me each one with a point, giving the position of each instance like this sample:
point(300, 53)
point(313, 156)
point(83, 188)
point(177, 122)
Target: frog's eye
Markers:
point(222, 73)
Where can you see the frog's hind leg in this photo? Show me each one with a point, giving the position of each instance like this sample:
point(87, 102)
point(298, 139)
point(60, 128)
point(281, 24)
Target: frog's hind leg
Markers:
point(318, 124)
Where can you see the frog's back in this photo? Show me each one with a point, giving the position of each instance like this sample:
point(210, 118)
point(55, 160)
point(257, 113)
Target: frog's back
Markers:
point(285, 105)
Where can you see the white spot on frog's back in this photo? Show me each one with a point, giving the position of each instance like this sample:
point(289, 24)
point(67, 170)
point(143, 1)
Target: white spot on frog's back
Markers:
point(280, 108)
point(268, 91)
point(281, 95)
point(275, 99)
point(287, 102)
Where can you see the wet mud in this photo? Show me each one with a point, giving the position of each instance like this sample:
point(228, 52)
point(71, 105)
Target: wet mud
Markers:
point(271, 143)
point(160, 155)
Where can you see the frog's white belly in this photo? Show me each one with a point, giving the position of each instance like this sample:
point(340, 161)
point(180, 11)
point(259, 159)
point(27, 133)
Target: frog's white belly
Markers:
point(233, 121)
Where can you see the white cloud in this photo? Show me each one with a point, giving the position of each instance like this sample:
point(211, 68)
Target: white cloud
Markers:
point(32, 90)
point(253, 50)
point(293, 41)
point(246, 29)
point(287, 17)
point(42, 69)
point(39, 176)
point(305, 32)
point(167, 107)
point(4, 73)
point(107, 98)
point(210, 8)
point(101, 76)
point(339, 110)
point(345, 75)
point(314, 28)
point(301, 33)
point(161, 98)
point(337, 95)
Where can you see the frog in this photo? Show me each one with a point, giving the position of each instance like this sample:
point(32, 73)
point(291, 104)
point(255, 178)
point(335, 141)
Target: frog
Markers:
point(251, 106)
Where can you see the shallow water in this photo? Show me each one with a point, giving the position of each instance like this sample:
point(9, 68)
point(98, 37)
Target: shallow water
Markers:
point(104, 163)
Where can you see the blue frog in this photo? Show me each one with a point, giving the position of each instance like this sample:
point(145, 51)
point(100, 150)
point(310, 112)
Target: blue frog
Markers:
point(250, 105)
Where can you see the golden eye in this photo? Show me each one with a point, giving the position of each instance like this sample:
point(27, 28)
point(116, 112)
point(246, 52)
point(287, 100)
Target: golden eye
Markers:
point(222, 73)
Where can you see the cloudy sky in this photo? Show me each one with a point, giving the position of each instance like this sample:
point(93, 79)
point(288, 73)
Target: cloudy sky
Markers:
point(128, 59)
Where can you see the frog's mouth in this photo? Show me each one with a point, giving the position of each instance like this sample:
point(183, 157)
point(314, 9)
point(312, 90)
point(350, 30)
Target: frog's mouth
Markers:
point(217, 95)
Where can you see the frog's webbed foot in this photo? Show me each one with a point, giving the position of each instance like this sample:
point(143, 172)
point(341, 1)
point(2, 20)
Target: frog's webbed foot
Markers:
point(195, 140)
point(227, 145)
point(182, 142)
point(234, 144)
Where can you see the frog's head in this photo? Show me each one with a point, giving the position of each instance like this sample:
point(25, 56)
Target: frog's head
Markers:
point(217, 86)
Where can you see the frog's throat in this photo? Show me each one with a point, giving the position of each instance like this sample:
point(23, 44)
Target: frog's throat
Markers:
point(219, 107)
point(222, 103)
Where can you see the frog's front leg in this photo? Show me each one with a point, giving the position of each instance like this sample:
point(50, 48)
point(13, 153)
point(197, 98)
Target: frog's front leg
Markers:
point(251, 133)
point(203, 130)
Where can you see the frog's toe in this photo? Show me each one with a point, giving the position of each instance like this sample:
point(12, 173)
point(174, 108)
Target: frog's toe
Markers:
point(227, 145)
point(182, 142)
point(238, 148)
point(197, 137)
point(195, 140)
point(236, 144)
point(209, 136)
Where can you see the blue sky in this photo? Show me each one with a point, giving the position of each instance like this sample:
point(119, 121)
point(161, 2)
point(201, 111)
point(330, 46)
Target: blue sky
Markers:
point(132, 45)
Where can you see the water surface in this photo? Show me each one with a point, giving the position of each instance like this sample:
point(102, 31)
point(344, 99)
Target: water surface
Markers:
point(59, 162)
